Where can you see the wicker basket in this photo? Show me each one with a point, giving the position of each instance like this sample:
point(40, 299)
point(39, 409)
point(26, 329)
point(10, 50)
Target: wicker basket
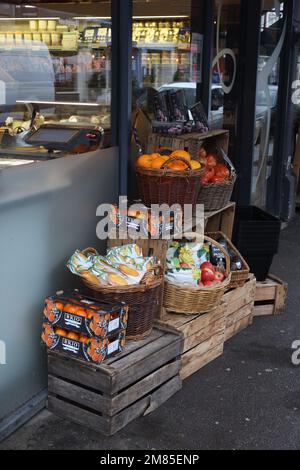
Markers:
point(192, 300)
point(165, 186)
point(238, 278)
point(143, 301)
point(215, 196)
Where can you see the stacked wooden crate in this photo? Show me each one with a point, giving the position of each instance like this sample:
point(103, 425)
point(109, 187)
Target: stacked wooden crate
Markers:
point(238, 308)
point(203, 338)
point(107, 397)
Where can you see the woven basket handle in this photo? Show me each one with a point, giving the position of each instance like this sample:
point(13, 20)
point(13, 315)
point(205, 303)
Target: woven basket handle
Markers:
point(215, 243)
point(174, 159)
point(88, 250)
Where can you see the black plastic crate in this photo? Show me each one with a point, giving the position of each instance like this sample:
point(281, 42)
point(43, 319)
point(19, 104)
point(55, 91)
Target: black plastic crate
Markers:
point(255, 231)
point(260, 265)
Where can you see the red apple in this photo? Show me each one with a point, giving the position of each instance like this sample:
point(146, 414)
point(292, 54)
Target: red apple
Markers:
point(219, 276)
point(207, 265)
point(200, 284)
point(208, 284)
point(208, 275)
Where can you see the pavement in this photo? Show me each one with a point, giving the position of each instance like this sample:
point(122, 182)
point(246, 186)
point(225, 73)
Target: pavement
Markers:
point(247, 399)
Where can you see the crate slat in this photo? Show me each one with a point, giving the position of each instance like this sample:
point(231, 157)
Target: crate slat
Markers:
point(144, 386)
point(197, 362)
point(270, 297)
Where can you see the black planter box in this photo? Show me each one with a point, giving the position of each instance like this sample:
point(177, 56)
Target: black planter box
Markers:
point(256, 232)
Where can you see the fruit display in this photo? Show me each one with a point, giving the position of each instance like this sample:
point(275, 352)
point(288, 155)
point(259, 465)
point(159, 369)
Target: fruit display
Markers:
point(215, 172)
point(189, 264)
point(82, 315)
point(81, 346)
point(122, 266)
point(168, 160)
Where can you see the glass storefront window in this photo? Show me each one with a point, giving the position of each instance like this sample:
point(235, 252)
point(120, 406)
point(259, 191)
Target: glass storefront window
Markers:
point(167, 50)
point(55, 66)
point(271, 46)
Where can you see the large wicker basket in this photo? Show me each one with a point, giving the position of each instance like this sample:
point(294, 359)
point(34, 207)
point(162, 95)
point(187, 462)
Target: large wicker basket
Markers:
point(164, 186)
point(238, 278)
point(189, 300)
point(143, 301)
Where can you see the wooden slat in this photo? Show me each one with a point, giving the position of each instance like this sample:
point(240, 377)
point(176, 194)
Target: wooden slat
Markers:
point(78, 415)
point(147, 405)
point(166, 349)
point(75, 371)
point(245, 311)
point(143, 387)
point(237, 327)
point(132, 346)
point(263, 310)
point(190, 325)
point(203, 335)
point(200, 361)
point(77, 394)
point(265, 292)
point(191, 356)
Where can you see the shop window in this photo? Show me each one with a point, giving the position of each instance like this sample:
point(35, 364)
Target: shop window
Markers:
point(167, 51)
point(271, 45)
point(55, 67)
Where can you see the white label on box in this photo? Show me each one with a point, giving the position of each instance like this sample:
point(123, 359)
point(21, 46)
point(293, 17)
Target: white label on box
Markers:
point(114, 325)
point(113, 347)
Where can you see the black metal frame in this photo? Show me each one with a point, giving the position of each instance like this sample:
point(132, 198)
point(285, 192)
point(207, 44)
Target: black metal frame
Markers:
point(278, 194)
point(247, 73)
point(121, 102)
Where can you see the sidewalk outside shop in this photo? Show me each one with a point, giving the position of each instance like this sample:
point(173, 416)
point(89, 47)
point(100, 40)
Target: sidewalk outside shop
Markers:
point(247, 399)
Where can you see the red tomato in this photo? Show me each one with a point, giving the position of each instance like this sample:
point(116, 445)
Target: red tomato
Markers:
point(218, 179)
point(222, 171)
point(207, 175)
point(211, 161)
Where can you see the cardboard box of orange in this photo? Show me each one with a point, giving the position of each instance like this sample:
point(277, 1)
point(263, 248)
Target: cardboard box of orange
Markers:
point(83, 347)
point(145, 222)
point(85, 315)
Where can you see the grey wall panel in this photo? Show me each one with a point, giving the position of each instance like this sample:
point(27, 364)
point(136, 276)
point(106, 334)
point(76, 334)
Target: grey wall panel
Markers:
point(47, 210)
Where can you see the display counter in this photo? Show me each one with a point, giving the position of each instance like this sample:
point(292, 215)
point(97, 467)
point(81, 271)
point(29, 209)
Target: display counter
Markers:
point(47, 210)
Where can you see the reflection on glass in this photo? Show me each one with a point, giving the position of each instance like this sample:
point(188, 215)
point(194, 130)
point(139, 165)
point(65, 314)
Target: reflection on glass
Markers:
point(52, 58)
point(167, 51)
point(226, 50)
point(272, 40)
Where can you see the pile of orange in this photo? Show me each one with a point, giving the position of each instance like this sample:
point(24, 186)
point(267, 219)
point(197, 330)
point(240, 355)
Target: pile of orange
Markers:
point(72, 335)
point(155, 161)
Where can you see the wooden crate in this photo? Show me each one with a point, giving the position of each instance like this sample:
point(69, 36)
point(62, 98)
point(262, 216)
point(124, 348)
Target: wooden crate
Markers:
point(270, 297)
point(203, 338)
point(190, 142)
point(216, 221)
point(106, 398)
point(238, 308)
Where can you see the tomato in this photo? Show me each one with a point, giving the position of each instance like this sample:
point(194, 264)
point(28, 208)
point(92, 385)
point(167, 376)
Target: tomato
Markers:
point(211, 161)
point(207, 175)
point(218, 179)
point(222, 171)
